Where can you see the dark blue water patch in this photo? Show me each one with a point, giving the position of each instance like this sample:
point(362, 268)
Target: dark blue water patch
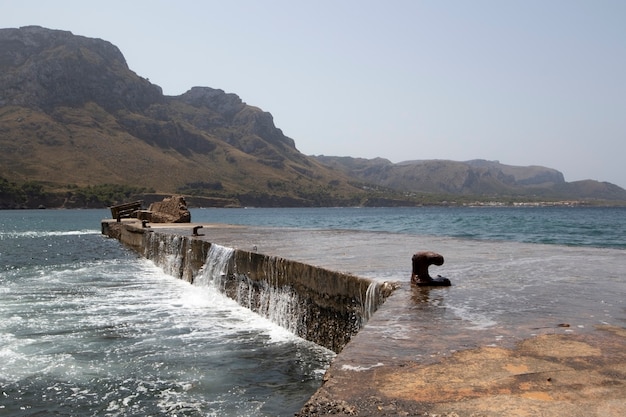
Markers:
point(40, 395)
point(167, 383)
point(37, 249)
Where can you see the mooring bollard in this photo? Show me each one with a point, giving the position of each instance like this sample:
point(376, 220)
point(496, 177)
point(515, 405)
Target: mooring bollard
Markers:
point(420, 276)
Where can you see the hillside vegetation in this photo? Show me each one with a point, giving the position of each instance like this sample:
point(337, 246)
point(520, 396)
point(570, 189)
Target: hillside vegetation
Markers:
point(78, 128)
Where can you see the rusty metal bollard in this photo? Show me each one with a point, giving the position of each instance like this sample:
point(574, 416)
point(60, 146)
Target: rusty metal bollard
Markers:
point(420, 276)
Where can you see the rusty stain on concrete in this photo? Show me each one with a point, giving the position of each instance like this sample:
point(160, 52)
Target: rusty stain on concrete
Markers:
point(547, 375)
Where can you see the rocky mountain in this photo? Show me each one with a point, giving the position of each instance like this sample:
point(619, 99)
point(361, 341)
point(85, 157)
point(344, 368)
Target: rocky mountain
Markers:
point(79, 128)
point(479, 178)
point(73, 113)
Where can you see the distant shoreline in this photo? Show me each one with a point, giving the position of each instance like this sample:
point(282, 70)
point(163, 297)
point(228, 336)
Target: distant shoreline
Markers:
point(538, 204)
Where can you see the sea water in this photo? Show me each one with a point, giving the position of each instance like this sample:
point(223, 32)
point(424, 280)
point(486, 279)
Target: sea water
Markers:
point(88, 328)
point(571, 226)
point(516, 271)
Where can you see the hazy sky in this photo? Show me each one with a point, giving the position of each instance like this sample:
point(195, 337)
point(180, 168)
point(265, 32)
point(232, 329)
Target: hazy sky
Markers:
point(529, 82)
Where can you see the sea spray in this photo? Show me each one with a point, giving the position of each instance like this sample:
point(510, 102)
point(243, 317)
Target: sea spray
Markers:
point(277, 304)
point(173, 264)
point(280, 305)
point(214, 273)
point(316, 304)
point(167, 252)
point(370, 304)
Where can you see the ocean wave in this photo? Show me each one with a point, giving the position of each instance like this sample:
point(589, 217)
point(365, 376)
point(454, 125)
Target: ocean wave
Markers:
point(46, 233)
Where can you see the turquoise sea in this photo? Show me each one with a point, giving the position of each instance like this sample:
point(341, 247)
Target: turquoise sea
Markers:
point(571, 226)
point(88, 328)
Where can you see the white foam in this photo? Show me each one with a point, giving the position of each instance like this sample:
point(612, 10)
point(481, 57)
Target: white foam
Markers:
point(360, 368)
point(215, 266)
point(370, 301)
point(191, 300)
point(46, 233)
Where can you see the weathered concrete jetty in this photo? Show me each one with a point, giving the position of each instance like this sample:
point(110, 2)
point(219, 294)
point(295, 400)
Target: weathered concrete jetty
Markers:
point(324, 306)
point(409, 358)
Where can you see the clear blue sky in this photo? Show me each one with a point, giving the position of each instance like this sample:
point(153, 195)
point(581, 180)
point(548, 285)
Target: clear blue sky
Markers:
point(523, 82)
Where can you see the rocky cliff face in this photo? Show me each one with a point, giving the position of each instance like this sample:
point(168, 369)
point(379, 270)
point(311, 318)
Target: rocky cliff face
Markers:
point(249, 128)
point(44, 68)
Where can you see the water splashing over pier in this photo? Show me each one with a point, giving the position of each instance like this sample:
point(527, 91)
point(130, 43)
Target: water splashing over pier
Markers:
point(215, 269)
point(370, 303)
point(323, 306)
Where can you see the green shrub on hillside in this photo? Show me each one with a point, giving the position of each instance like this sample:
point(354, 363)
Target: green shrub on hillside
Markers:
point(106, 194)
point(32, 194)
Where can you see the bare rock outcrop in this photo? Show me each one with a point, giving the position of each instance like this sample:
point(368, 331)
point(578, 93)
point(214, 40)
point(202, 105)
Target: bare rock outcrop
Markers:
point(45, 69)
point(170, 210)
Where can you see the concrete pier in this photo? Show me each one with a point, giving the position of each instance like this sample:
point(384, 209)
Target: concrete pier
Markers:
point(413, 358)
point(324, 306)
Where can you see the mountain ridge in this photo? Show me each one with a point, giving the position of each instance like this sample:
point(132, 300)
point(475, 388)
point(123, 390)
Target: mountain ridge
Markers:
point(74, 116)
point(477, 177)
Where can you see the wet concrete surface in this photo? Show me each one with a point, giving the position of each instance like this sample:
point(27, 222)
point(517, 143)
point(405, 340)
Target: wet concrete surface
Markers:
point(405, 363)
point(415, 358)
